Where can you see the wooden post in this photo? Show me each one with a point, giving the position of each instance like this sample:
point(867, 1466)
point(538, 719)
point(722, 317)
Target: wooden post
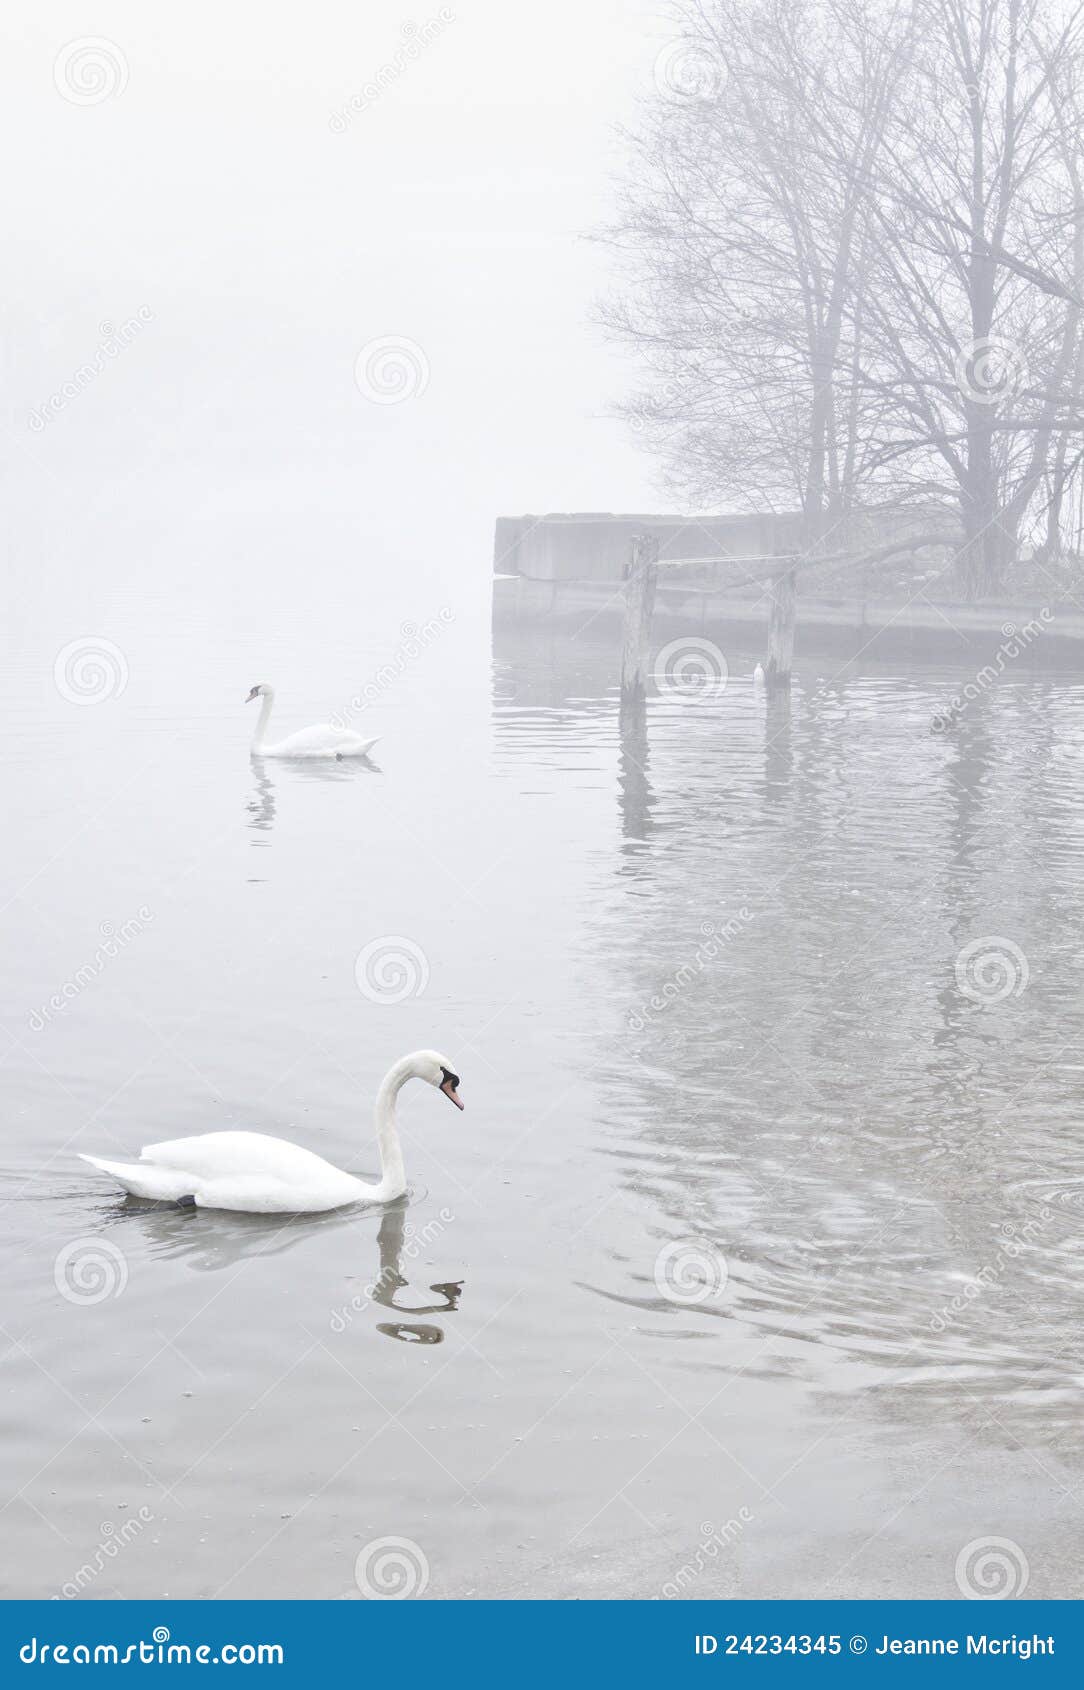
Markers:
point(781, 629)
point(640, 575)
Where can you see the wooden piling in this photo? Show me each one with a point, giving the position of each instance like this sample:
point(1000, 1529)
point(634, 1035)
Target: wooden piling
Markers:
point(781, 629)
point(641, 573)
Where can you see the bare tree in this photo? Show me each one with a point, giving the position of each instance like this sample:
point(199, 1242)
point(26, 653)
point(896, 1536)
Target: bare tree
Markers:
point(851, 248)
point(971, 315)
point(741, 251)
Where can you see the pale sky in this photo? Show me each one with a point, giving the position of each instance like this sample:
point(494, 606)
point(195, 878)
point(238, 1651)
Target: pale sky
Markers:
point(265, 248)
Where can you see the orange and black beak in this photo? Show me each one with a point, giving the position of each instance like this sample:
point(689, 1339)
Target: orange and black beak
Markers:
point(449, 1086)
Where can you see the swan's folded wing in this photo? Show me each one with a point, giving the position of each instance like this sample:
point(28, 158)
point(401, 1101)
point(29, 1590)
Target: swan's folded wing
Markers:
point(219, 1155)
point(322, 738)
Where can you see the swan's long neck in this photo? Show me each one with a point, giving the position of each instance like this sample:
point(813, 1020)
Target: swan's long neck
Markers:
point(392, 1172)
point(265, 717)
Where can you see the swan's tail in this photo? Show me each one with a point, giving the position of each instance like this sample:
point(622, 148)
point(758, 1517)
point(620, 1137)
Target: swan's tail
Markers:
point(144, 1179)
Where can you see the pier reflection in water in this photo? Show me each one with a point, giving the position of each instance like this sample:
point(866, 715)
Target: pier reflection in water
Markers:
point(841, 1071)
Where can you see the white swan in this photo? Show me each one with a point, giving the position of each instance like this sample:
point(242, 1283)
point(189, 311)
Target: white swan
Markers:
point(267, 1176)
point(323, 740)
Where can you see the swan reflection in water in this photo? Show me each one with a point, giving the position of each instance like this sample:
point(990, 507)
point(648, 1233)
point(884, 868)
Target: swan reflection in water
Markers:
point(389, 1281)
point(210, 1240)
point(260, 808)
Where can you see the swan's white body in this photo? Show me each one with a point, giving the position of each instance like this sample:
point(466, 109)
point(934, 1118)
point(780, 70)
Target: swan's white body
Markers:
point(323, 740)
point(265, 1175)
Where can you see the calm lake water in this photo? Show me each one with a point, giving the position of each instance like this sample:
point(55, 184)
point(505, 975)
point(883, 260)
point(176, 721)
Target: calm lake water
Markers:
point(752, 1267)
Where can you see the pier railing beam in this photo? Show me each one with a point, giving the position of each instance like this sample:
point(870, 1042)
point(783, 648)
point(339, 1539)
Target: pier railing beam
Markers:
point(641, 574)
point(783, 593)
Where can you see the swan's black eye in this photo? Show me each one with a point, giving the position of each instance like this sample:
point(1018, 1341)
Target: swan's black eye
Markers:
point(450, 1079)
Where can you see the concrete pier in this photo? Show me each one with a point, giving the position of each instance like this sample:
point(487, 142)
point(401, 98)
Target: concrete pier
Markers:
point(567, 572)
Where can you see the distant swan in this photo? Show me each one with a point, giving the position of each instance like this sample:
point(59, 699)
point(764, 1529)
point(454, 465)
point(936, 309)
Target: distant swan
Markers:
point(268, 1176)
point(320, 741)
